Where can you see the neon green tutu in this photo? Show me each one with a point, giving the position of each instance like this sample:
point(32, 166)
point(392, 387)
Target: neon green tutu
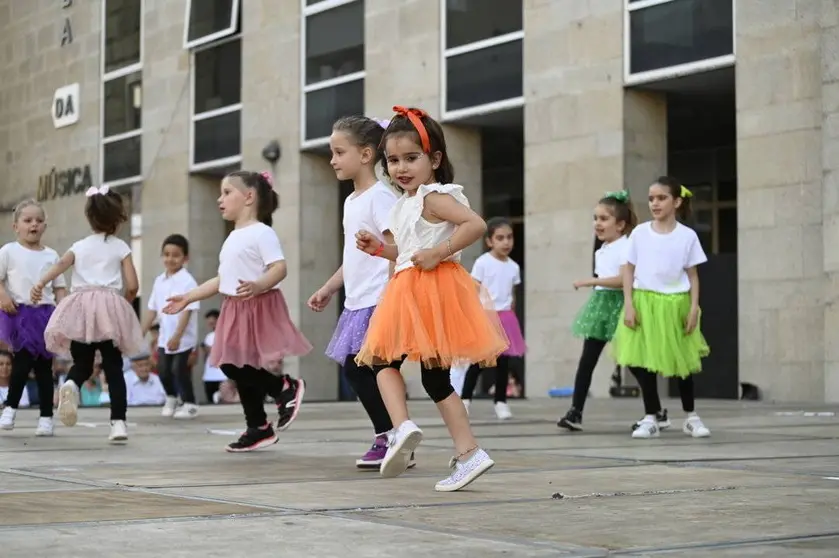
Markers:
point(658, 342)
point(599, 317)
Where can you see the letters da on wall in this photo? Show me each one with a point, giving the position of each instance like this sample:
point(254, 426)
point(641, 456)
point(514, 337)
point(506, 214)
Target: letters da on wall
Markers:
point(60, 184)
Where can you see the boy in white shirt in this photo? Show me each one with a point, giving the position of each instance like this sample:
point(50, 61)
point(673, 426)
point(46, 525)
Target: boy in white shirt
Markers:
point(178, 332)
point(144, 388)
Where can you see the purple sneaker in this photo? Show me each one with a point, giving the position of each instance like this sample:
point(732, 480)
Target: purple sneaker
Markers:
point(373, 458)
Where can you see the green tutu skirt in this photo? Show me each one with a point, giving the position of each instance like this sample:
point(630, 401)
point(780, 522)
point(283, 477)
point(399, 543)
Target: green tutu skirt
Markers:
point(658, 342)
point(599, 317)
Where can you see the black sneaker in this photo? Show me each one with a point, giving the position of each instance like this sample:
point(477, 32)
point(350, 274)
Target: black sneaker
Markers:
point(289, 403)
point(573, 420)
point(253, 439)
point(661, 417)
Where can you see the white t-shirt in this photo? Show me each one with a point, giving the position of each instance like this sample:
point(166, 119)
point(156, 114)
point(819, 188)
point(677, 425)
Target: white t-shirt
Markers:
point(21, 268)
point(608, 260)
point(661, 260)
point(212, 373)
point(246, 254)
point(180, 282)
point(24, 397)
point(365, 276)
point(499, 277)
point(98, 262)
point(150, 392)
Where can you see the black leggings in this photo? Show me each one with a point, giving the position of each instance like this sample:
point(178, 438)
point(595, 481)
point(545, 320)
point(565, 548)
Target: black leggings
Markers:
point(363, 381)
point(253, 385)
point(210, 389)
point(648, 382)
point(22, 363)
point(84, 355)
point(502, 368)
point(437, 382)
point(592, 348)
point(176, 366)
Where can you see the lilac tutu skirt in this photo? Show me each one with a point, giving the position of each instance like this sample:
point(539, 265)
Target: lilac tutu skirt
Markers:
point(510, 323)
point(349, 334)
point(25, 330)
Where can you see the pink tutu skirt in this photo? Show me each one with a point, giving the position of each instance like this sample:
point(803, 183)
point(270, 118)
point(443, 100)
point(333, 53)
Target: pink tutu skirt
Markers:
point(510, 323)
point(256, 332)
point(91, 315)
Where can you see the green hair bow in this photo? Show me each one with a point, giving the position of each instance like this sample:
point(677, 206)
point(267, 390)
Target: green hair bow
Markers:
point(621, 196)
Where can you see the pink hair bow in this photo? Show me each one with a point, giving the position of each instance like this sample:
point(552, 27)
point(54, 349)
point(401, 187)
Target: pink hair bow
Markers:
point(267, 176)
point(93, 190)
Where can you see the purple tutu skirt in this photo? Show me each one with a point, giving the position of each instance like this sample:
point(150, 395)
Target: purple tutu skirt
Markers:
point(25, 330)
point(510, 323)
point(349, 334)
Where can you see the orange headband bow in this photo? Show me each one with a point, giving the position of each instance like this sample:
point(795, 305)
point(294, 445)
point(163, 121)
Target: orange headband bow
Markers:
point(416, 116)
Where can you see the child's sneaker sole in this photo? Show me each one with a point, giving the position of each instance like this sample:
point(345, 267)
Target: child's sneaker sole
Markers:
point(68, 406)
point(260, 444)
point(402, 454)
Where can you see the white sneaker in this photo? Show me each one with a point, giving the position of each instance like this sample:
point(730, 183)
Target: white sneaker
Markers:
point(502, 411)
point(401, 445)
point(186, 411)
point(45, 427)
point(7, 419)
point(119, 432)
point(168, 409)
point(467, 403)
point(465, 473)
point(693, 427)
point(647, 428)
point(68, 403)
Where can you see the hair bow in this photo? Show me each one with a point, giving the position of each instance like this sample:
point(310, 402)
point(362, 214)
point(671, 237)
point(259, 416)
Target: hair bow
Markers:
point(621, 196)
point(415, 116)
point(685, 193)
point(267, 176)
point(93, 190)
point(383, 122)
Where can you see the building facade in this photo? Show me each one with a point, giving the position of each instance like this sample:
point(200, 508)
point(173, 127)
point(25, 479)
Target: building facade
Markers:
point(546, 104)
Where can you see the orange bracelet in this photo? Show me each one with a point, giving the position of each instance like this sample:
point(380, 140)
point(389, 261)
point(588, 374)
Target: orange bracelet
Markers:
point(379, 250)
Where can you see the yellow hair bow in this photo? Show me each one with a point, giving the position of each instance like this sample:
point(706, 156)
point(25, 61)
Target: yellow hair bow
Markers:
point(685, 193)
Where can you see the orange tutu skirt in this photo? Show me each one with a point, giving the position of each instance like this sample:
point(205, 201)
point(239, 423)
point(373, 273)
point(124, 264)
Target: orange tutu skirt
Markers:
point(436, 317)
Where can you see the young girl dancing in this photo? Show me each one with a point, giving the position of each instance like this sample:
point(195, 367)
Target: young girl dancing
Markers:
point(355, 151)
point(430, 310)
point(496, 271)
point(597, 320)
point(97, 315)
point(22, 323)
point(659, 333)
point(254, 331)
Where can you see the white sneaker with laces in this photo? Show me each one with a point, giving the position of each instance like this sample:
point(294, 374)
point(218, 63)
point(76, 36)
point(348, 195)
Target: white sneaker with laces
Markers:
point(119, 432)
point(7, 419)
point(168, 409)
point(186, 411)
point(46, 427)
point(401, 445)
point(466, 472)
point(502, 411)
point(68, 403)
point(694, 427)
point(647, 428)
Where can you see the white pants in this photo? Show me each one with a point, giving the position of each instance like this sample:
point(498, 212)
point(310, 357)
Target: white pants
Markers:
point(458, 376)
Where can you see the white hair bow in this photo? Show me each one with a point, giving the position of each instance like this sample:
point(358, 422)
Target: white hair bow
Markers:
point(93, 190)
point(383, 122)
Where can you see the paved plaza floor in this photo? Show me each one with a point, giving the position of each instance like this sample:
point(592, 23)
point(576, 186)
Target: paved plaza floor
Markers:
point(765, 484)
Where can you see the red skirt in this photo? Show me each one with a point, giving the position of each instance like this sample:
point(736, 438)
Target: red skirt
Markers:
point(256, 332)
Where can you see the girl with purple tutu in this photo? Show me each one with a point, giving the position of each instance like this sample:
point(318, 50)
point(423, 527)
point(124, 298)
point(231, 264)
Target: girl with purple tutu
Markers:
point(22, 322)
point(496, 271)
point(97, 315)
point(355, 151)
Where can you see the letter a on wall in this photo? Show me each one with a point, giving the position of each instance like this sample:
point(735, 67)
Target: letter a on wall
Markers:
point(65, 106)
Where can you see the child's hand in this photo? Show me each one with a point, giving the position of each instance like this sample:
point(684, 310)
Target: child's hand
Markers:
point(250, 289)
point(367, 242)
point(426, 259)
point(175, 304)
point(7, 304)
point(581, 284)
point(319, 300)
point(174, 343)
point(692, 320)
point(37, 292)
point(629, 318)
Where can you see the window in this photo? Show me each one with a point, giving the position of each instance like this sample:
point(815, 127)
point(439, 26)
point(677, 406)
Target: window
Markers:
point(122, 93)
point(671, 37)
point(216, 105)
point(210, 20)
point(482, 57)
point(333, 76)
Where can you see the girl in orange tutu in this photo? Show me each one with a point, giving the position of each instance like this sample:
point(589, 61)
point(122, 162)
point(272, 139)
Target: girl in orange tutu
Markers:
point(254, 331)
point(430, 311)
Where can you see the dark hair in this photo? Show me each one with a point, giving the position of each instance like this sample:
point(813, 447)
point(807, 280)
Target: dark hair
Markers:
point(212, 313)
point(363, 132)
point(178, 240)
point(402, 125)
point(622, 211)
point(105, 212)
point(496, 223)
point(5, 353)
point(267, 200)
point(683, 212)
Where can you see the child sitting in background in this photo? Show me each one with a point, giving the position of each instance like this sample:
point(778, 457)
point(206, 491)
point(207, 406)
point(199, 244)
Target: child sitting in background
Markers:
point(144, 388)
point(5, 376)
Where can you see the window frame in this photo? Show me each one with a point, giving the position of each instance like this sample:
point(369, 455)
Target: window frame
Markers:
point(670, 72)
point(194, 118)
point(446, 53)
point(306, 11)
point(212, 37)
point(109, 76)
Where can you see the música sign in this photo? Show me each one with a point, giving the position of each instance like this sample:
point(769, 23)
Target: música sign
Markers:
point(63, 183)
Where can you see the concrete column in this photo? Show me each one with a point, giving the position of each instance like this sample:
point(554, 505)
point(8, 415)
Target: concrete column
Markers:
point(645, 144)
point(574, 122)
point(780, 251)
